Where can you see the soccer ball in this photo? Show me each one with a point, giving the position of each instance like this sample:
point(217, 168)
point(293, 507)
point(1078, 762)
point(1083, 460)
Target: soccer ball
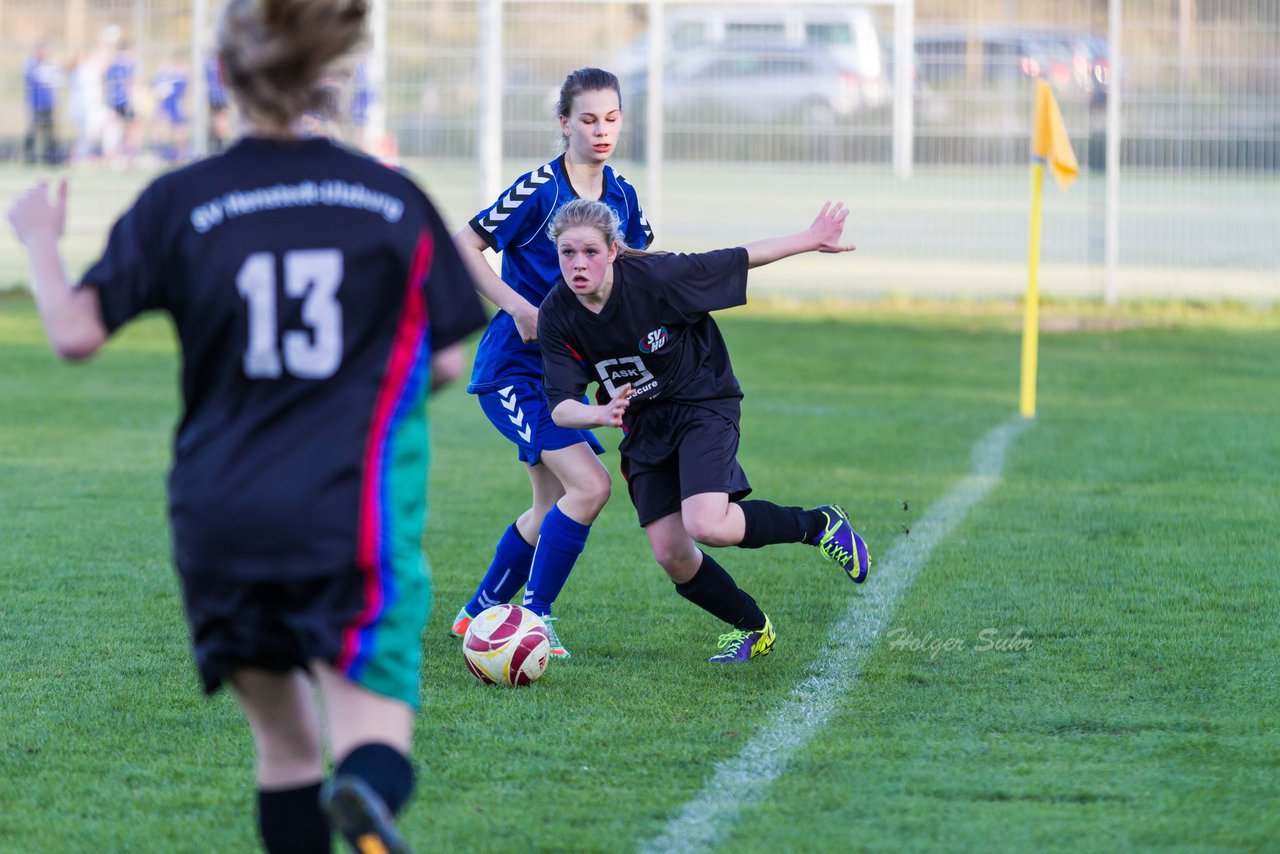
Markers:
point(506, 645)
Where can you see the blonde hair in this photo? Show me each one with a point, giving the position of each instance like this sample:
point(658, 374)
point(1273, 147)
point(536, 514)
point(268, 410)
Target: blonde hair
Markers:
point(274, 53)
point(587, 213)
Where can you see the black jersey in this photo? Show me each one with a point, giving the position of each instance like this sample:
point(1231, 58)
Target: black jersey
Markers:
point(653, 332)
point(309, 286)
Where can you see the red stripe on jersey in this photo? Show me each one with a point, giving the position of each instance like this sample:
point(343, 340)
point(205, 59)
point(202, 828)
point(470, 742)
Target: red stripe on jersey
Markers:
point(569, 347)
point(370, 539)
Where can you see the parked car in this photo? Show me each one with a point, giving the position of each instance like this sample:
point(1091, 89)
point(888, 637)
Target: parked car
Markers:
point(847, 34)
point(1069, 59)
point(746, 102)
point(756, 83)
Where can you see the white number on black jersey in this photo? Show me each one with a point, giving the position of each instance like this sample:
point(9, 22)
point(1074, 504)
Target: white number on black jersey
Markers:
point(314, 275)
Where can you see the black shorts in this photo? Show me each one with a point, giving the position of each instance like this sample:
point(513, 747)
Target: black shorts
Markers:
point(273, 625)
point(675, 451)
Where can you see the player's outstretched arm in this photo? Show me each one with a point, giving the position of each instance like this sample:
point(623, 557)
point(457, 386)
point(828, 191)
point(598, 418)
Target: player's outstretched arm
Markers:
point(823, 235)
point(72, 316)
point(576, 415)
point(471, 247)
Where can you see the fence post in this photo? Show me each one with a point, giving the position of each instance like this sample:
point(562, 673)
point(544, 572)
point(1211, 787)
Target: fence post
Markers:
point(197, 86)
point(656, 61)
point(490, 130)
point(1113, 153)
point(904, 96)
point(376, 130)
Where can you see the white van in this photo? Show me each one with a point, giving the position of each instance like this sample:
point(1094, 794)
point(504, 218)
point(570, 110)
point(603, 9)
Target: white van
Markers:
point(847, 33)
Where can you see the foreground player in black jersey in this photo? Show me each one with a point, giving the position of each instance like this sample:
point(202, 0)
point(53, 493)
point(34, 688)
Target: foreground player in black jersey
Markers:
point(316, 295)
point(638, 325)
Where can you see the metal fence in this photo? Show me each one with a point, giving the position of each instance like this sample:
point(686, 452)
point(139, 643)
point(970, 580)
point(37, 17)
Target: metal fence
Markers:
point(765, 110)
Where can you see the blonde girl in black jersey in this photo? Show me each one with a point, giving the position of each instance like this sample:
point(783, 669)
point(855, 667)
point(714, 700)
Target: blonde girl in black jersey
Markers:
point(639, 325)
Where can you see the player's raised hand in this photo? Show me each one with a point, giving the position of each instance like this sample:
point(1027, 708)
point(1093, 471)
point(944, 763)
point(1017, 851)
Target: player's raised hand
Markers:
point(617, 407)
point(823, 235)
point(35, 218)
point(828, 226)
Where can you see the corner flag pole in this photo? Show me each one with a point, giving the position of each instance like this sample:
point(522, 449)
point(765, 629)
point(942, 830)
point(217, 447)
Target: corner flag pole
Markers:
point(1031, 307)
point(1049, 146)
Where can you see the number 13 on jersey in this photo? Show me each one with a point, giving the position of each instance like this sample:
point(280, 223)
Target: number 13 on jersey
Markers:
point(312, 275)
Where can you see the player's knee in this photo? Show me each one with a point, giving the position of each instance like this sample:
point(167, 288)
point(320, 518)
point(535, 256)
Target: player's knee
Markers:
point(680, 565)
point(674, 553)
point(709, 531)
point(590, 493)
point(664, 555)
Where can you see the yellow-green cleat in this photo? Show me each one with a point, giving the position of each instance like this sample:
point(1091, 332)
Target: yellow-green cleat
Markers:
point(742, 645)
point(841, 545)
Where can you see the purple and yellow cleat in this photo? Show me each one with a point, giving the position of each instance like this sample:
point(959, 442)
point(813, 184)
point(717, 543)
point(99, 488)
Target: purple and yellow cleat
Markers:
point(841, 545)
point(742, 645)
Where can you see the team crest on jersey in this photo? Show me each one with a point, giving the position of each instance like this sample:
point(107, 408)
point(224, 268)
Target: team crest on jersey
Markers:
point(654, 341)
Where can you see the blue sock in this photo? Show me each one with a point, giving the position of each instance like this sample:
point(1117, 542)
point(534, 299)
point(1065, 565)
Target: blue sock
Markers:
point(560, 542)
point(506, 575)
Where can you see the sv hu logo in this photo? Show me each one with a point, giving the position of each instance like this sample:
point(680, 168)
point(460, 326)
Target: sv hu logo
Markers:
point(654, 341)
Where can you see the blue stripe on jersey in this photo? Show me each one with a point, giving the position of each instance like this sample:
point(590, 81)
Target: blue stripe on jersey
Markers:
point(516, 225)
point(510, 201)
point(400, 399)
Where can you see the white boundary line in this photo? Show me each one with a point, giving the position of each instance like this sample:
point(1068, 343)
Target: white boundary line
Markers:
point(742, 780)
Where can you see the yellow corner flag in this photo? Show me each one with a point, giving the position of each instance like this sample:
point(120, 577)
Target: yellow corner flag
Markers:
point(1049, 142)
point(1049, 145)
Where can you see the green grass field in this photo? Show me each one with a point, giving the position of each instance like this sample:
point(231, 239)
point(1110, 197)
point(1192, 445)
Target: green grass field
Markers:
point(1128, 559)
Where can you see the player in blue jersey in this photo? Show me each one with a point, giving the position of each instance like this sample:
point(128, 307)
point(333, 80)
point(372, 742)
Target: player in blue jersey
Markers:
point(41, 79)
point(361, 101)
point(639, 324)
point(317, 296)
point(118, 81)
point(219, 105)
point(570, 485)
point(119, 133)
point(170, 88)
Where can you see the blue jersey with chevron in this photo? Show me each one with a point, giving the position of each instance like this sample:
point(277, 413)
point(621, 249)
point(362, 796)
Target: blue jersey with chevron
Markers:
point(516, 225)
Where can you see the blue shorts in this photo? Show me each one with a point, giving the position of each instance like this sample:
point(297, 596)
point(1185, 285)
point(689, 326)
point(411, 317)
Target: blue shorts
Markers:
point(520, 413)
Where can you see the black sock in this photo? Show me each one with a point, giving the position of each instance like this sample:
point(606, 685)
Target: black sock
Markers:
point(387, 771)
point(768, 523)
point(290, 821)
point(714, 591)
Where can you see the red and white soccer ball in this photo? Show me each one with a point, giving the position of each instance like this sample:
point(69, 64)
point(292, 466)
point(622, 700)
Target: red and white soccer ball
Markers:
point(506, 645)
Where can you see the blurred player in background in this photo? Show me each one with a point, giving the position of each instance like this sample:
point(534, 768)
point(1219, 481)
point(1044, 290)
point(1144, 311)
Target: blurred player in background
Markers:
point(119, 142)
point(362, 96)
point(316, 295)
point(87, 104)
point(169, 132)
point(570, 485)
point(639, 324)
point(219, 106)
point(41, 79)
